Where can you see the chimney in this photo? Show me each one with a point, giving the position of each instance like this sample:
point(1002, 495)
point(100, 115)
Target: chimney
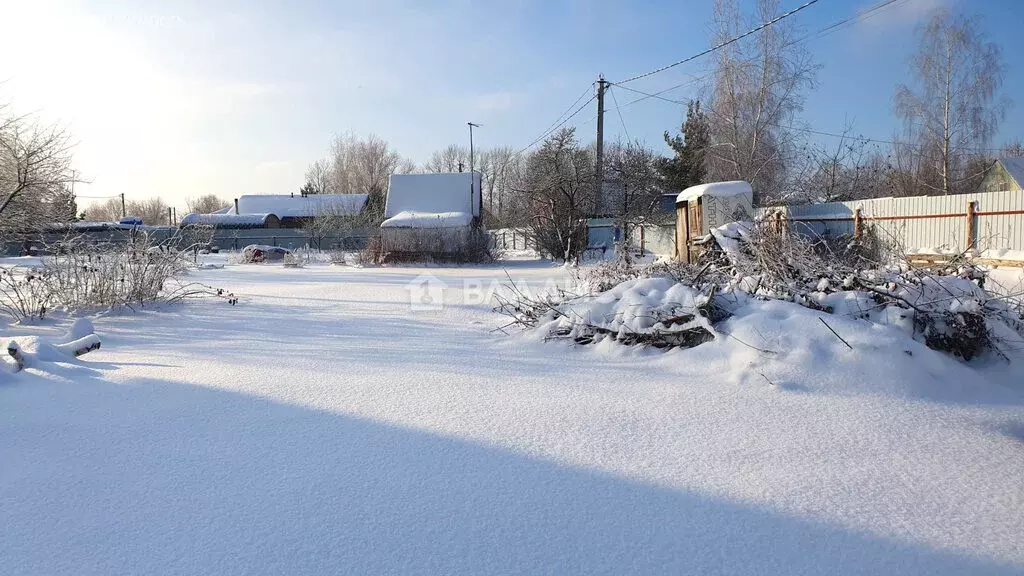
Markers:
point(236, 205)
point(293, 194)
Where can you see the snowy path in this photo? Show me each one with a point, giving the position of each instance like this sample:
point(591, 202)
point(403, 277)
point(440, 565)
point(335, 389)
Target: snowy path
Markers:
point(322, 428)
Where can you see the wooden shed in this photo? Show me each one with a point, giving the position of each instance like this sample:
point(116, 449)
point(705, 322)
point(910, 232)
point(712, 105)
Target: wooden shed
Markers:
point(703, 207)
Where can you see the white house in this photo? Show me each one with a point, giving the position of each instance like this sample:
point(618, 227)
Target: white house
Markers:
point(430, 214)
point(1005, 174)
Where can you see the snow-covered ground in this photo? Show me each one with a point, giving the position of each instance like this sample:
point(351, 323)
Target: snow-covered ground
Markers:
point(330, 425)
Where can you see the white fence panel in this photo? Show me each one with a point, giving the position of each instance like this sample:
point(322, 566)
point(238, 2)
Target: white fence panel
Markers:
point(991, 221)
point(658, 240)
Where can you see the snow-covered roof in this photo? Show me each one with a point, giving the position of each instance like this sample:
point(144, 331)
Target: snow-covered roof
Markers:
point(98, 226)
point(1014, 167)
point(290, 206)
point(410, 219)
point(733, 188)
point(433, 193)
point(216, 219)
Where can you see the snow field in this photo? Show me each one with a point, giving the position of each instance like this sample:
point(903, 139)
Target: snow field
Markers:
point(322, 427)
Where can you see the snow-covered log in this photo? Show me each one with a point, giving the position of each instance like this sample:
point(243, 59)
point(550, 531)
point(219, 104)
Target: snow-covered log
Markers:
point(14, 351)
point(80, 346)
point(80, 339)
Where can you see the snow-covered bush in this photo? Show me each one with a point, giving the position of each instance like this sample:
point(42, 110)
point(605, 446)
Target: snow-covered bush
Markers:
point(80, 274)
point(946, 307)
point(23, 293)
point(457, 245)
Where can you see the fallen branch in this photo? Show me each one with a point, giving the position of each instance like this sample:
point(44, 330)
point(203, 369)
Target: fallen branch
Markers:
point(834, 332)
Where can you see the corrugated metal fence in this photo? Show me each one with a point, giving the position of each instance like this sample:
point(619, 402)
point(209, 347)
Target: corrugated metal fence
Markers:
point(989, 221)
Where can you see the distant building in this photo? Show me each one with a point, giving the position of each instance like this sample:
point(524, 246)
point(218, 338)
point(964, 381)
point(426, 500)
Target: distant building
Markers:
point(1006, 174)
point(430, 214)
point(278, 210)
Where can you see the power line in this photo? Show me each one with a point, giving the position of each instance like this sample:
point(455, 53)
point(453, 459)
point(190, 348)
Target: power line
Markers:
point(660, 92)
point(569, 108)
point(556, 126)
point(807, 130)
point(720, 46)
point(838, 25)
point(621, 121)
point(647, 95)
point(870, 12)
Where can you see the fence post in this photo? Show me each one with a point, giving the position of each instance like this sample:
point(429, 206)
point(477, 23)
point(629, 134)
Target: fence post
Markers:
point(641, 240)
point(856, 223)
point(513, 239)
point(778, 222)
point(971, 240)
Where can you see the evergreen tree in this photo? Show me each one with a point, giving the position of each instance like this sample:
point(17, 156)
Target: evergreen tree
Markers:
point(686, 167)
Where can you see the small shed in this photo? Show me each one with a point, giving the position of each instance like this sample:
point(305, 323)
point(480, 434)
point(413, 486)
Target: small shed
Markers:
point(430, 215)
point(703, 207)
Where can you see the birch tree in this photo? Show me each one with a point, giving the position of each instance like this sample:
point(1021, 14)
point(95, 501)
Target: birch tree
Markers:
point(952, 110)
point(758, 89)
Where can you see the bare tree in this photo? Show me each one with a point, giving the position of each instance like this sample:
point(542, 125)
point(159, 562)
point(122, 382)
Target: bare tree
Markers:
point(850, 170)
point(556, 192)
point(108, 211)
point(757, 92)
point(953, 111)
point(319, 178)
point(497, 167)
point(453, 158)
point(373, 163)
point(633, 185)
point(1014, 149)
point(152, 211)
point(335, 223)
point(35, 169)
point(341, 163)
point(206, 204)
point(362, 165)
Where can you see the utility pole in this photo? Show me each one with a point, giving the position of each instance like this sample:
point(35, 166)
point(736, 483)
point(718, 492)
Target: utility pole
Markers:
point(599, 179)
point(124, 211)
point(472, 176)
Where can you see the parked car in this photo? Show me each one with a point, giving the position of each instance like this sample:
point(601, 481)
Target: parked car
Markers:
point(255, 253)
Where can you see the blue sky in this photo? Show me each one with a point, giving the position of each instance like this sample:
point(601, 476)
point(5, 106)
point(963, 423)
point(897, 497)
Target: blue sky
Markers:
point(183, 98)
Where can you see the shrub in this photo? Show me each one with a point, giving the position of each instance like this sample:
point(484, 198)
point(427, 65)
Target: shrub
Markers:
point(79, 275)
